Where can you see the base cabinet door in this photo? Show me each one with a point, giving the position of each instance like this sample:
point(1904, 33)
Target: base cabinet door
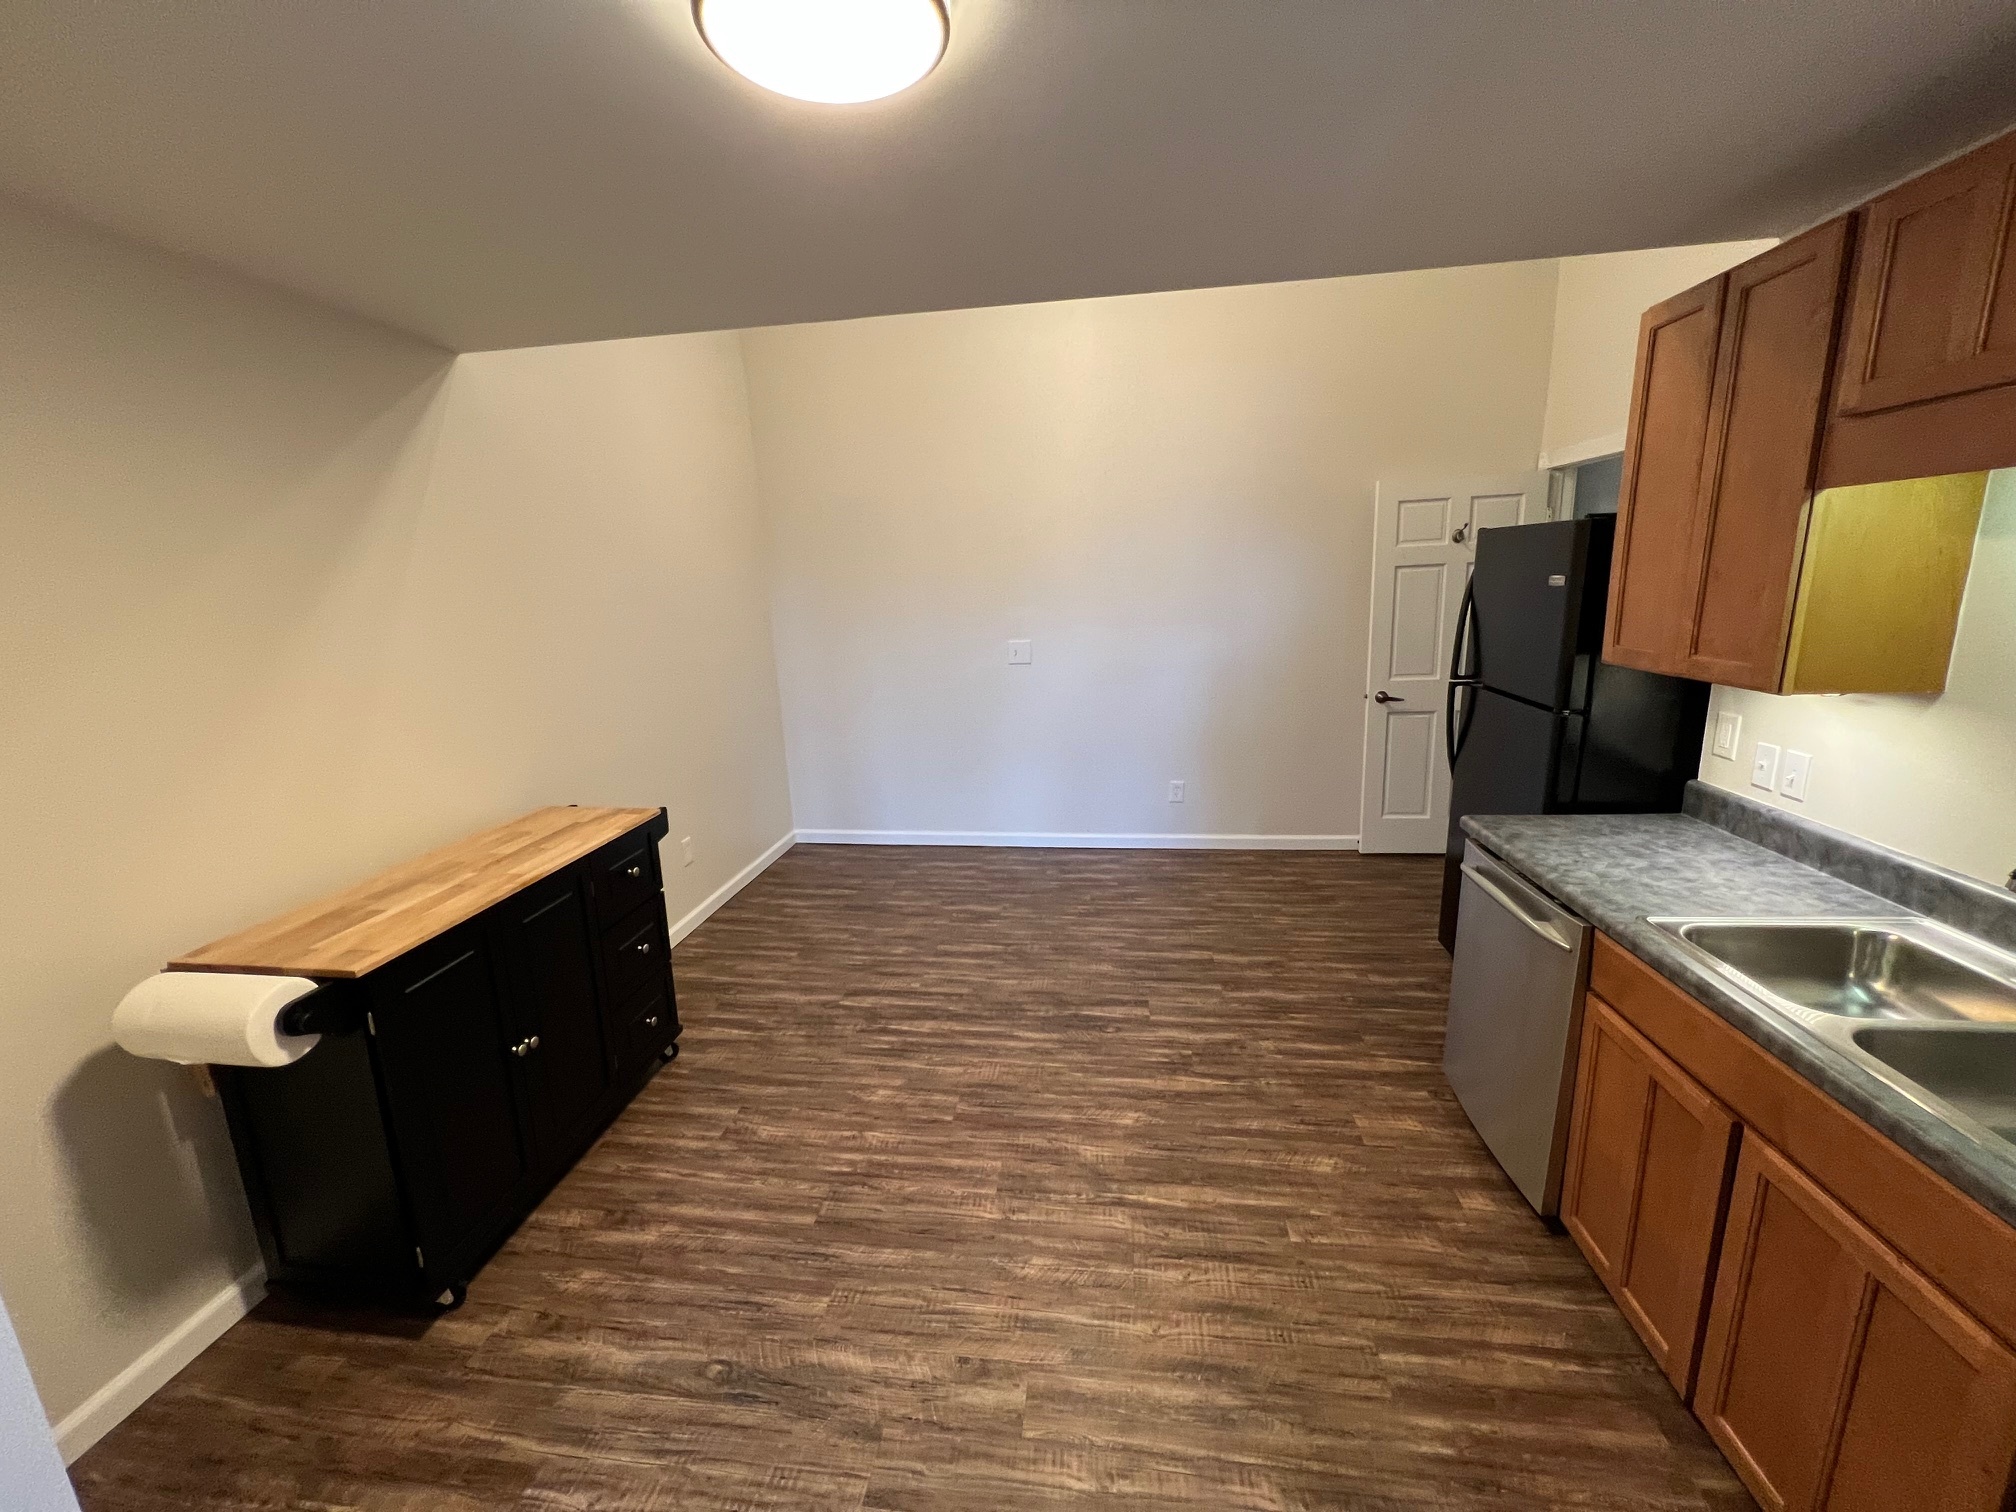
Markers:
point(1834, 1375)
point(443, 1051)
point(1648, 1162)
point(546, 942)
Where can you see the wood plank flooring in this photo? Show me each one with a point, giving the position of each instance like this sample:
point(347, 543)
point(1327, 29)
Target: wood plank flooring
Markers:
point(991, 1181)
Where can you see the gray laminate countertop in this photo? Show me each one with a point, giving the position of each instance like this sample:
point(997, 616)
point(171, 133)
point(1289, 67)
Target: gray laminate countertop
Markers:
point(1616, 870)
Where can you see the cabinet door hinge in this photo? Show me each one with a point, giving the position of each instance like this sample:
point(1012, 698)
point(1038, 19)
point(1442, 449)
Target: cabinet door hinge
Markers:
point(421, 1258)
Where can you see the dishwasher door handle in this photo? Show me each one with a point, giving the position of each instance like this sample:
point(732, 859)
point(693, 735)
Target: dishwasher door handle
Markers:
point(1540, 927)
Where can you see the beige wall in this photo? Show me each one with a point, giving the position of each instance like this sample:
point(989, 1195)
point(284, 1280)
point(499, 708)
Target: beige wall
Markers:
point(1932, 776)
point(287, 597)
point(1169, 494)
point(1596, 337)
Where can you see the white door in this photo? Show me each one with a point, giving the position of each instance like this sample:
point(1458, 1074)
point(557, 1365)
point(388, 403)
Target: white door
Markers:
point(1423, 541)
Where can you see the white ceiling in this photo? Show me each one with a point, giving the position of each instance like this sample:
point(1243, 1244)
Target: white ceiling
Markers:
point(511, 172)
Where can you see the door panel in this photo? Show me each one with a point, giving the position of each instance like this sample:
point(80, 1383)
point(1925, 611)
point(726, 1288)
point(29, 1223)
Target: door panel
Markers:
point(1777, 344)
point(1834, 1375)
point(1652, 584)
point(545, 935)
point(1423, 540)
point(1933, 312)
point(442, 1042)
point(1648, 1157)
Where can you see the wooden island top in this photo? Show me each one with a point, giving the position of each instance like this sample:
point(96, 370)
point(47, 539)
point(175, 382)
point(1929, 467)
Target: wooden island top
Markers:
point(360, 928)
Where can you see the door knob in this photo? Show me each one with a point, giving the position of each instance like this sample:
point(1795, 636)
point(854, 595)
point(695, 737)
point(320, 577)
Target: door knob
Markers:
point(1462, 535)
point(1382, 696)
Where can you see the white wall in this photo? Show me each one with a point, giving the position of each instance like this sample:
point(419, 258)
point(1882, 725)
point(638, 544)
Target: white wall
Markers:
point(1596, 337)
point(288, 597)
point(1169, 494)
point(1932, 776)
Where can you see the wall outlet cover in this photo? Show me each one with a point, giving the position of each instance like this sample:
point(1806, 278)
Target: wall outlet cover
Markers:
point(1176, 791)
point(1792, 775)
point(1728, 735)
point(1020, 653)
point(686, 850)
point(1764, 767)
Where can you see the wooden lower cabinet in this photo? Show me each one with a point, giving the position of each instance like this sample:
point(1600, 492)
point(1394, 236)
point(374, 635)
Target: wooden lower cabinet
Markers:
point(1648, 1162)
point(1834, 1375)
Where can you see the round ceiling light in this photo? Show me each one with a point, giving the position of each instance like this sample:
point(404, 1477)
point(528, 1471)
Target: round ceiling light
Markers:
point(836, 52)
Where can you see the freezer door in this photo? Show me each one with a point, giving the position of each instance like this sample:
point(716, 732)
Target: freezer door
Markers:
point(1527, 608)
point(1515, 1011)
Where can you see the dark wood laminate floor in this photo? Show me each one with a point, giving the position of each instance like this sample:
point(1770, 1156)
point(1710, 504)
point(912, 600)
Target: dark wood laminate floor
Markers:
point(990, 1181)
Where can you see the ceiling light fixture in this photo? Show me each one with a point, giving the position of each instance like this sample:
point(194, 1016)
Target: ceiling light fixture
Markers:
point(835, 52)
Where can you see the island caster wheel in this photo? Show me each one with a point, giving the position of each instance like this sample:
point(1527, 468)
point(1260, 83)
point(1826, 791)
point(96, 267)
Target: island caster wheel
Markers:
point(672, 1051)
point(452, 1298)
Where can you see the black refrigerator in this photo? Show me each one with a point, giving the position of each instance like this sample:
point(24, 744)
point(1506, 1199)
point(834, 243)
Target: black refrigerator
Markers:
point(1537, 722)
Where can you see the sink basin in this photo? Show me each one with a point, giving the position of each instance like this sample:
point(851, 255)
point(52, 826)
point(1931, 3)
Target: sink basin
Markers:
point(1971, 1070)
point(1904, 970)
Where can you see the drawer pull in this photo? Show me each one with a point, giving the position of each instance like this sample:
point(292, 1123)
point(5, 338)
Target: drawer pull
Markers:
point(651, 1021)
point(633, 871)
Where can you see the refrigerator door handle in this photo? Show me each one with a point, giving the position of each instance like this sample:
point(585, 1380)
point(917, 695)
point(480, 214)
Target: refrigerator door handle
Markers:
point(1464, 616)
point(1453, 741)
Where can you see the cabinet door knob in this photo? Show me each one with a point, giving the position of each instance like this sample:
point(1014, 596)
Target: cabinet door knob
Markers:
point(521, 1049)
point(633, 871)
point(643, 947)
point(532, 1043)
point(651, 1021)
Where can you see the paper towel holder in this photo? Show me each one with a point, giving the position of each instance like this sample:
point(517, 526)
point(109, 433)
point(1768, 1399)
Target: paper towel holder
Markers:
point(330, 1009)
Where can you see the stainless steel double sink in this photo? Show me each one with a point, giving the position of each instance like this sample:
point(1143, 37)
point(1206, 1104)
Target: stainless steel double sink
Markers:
point(1928, 1010)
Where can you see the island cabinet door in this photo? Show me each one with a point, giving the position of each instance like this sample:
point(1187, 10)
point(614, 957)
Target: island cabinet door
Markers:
point(442, 1040)
point(545, 947)
point(1834, 1375)
point(1648, 1162)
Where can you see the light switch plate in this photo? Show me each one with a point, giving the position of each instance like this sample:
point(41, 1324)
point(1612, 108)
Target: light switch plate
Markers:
point(1020, 653)
point(1764, 767)
point(1792, 775)
point(1176, 790)
point(1728, 735)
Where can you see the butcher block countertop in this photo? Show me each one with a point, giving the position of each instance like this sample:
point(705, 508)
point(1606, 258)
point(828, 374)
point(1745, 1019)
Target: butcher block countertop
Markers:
point(361, 928)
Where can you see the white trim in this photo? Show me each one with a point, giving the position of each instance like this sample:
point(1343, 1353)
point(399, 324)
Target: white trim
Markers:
point(700, 914)
point(1583, 451)
point(110, 1404)
point(1076, 841)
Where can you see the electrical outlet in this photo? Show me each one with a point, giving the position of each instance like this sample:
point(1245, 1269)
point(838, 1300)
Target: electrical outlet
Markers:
point(1792, 775)
point(1728, 735)
point(1020, 653)
point(685, 850)
point(1176, 790)
point(1764, 767)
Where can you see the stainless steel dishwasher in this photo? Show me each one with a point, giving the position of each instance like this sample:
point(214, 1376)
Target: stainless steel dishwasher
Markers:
point(1515, 1015)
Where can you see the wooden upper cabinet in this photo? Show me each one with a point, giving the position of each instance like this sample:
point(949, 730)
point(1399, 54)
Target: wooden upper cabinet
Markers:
point(1653, 581)
point(1648, 1157)
point(1926, 382)
point(1837, 1377)
point(1777, 340)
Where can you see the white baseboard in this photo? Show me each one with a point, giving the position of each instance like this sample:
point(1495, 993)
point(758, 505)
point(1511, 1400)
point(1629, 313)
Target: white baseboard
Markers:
point(109, 1405)
point(700, 914)
point(1021, 838)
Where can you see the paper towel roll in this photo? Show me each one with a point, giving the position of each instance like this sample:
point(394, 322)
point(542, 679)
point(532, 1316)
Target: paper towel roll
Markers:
point(214, 1018)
